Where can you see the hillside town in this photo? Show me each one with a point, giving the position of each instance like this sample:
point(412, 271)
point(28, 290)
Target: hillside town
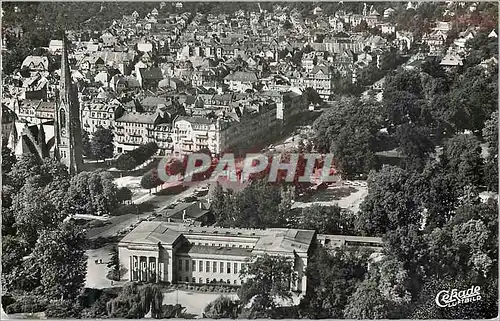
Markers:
point(402, 97)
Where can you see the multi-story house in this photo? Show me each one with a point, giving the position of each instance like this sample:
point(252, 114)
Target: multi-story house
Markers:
point(94, 115)
point(192, 134)
point(132, 130)
point(288, 104)
point(241, 81)
point(320, 79)
point(36, 63)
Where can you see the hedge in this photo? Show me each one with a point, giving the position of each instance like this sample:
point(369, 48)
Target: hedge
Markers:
point(27, 304)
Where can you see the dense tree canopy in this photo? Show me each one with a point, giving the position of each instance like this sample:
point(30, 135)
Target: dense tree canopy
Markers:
point(92, 193)
point(349, 132)
point(59, 255)
point(101, 144)
point(266, 280)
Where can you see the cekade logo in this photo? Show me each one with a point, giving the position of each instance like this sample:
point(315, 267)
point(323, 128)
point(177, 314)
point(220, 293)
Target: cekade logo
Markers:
point(454, 297)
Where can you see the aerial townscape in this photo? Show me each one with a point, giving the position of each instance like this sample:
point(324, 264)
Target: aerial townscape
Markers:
point(389, 110)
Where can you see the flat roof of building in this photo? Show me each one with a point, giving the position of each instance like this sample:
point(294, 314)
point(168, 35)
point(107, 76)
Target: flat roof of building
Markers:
point(151, 232)
point(214, 250)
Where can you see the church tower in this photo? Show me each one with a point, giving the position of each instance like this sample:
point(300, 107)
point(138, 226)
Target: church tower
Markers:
point(67, 125)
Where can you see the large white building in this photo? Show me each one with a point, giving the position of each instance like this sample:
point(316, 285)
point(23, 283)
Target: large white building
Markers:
point(168, 252)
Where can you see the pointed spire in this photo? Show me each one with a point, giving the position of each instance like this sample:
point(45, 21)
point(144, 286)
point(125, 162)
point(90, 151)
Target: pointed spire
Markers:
point(65, 82)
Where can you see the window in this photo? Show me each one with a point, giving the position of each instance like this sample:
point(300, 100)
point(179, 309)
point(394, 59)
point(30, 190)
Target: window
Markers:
point(228, 281)
point(207, 266)
point(187, 266)
point(187, 279)
point(221, 281)
point(200, 280)
point(235, 282)
point(228, 267)
point(200, 266)
point(180, 265)
point(214, 267)
point(193, 280)
point(221, 267)
point(208, 280)
point(235, 267)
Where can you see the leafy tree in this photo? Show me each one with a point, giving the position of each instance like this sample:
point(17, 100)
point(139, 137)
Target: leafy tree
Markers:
point(266, 280)
point(415, 144)
point(394, 281)
point(349, 132)
point(125, 162)
point(34, 211)
point(123, 194)
point(403, 80)
point(13, 251)
point(408, 245)
point(490, 135)
point(402, 107)
point(472, 99)
point(92, 193)
point(62, 309)
point(462, 156)
point(312, 96)
point(393, 201)
point(439, 194)
point(86, 144)
point(114, 263)
point(367, 303)
point(222, 308)
point(328, 220)
point(135, 301)
point(101, 144)
point(151, 180)
point(138, 155)
point(128, 304)
point(25, 167)
point(260, 205)
point(60, 257)
point(8, 161)
point(331, 278)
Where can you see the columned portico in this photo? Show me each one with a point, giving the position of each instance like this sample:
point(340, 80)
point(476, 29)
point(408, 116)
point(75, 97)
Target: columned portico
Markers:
point(144, 269)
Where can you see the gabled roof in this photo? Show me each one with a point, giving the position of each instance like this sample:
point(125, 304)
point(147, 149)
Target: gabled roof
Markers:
point(141, 118)
point(242, 76)
point(152, 73)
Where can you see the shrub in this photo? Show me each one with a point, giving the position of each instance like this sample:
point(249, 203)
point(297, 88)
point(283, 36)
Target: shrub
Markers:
point(27, 304)
point(125, 162)
point(62, 310)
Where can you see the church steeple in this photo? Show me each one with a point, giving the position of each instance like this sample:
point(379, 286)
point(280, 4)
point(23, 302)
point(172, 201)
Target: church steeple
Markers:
point(68, 129)
point(65, 82)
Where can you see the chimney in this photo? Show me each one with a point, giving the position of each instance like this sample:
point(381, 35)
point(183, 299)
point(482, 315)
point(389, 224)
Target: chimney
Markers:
point(201, 206)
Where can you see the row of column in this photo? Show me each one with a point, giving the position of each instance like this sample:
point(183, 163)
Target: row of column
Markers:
point(146, 269)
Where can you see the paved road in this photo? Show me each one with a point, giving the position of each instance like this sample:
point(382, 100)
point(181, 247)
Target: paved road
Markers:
point(158, 203)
